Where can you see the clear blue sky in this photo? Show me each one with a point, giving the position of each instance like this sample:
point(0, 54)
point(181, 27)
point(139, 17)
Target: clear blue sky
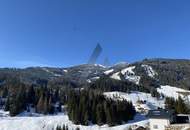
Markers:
point(64, 32)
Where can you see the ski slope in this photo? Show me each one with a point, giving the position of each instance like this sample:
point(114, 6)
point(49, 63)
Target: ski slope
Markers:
point(150, 102)
point(149, 70)
point(51, 121)
point(108, 71)
point(128, 74)
point(174, 92)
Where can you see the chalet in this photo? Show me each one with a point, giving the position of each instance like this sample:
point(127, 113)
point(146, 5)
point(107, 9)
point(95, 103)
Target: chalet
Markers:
point(167, 120)
point(160, 119)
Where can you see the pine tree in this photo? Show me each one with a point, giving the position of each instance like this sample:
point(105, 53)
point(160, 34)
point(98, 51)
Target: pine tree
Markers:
point(154, 93)
point(50, 108)
point(67, 128)
point(86, 118)
point(45, 107)
point(85, 106)
point(17, 103)
point(100, 115)
point(178, 105)
point(108, 116)
point(7, 108)
point(31, 95)
point(181, 106)
point(77, 128)
point(40, 105)
point(170, 103)
point(93, 116)
point(21, 98)
point(5, 92)
point(58, 128)
point(64, 127)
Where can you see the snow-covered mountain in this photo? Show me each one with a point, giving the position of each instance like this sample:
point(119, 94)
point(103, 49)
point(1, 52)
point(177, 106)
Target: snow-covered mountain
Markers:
point(150, 71)
point(171, 78)
point(158, 71)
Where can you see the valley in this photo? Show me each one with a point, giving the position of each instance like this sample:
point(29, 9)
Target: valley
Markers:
point(42, 94)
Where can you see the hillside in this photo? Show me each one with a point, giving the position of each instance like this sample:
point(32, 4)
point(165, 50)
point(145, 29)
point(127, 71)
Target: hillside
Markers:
point(153, 72)
point(92, 96)
point(149, 72)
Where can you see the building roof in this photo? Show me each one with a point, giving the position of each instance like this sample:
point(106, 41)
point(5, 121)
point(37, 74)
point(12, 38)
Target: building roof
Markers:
point(160, 114)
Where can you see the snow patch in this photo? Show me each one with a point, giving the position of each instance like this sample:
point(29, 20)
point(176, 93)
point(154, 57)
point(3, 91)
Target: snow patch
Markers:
point(151, 73)
point(174, 92)
point(4, 113)
point(116, 76)
point(48, 71)
point(108, 71)
point(65, 71)
point(99, 65)
point(92, 79)
point(88, 80)
point(149, 102)
point(50, 122)
point(95, 78)
point(130, 75)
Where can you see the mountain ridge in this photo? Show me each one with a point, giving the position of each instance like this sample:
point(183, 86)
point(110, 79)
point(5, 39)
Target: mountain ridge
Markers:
point(175, 72)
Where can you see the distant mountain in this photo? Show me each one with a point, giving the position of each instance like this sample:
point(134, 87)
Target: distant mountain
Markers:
point(78, 74)
point(175, 72)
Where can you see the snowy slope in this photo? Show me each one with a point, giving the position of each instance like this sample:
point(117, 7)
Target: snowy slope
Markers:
point(128, 74)
point(65, 70)
point(48, 71)
point(116, 76)
point(151, 102)
point(149, 70)
point(134, 97)
point(50, 122)
point(108, 71)
point(174, 92)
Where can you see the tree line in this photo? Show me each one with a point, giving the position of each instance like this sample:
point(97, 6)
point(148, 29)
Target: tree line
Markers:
point(91, 107)
point(106, 84)
point(179, 105)
point(65, 127)
point(22, 97)
point(84, 106)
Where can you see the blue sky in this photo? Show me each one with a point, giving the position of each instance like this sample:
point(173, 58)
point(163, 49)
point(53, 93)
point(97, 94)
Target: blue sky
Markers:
point(64, 32)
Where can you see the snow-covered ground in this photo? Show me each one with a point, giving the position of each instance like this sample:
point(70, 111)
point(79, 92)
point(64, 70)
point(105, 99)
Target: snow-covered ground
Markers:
point(95, 78)
point(92, 79)
point(65, 70)
point(4, 114)
point(149, 104)
point(149, 70)
point(108, 71)
point(48, 71)
point(116, 76)
point(33, 121)
point(50, 122)
point(129, 75)
point(99, 65)
point(174, 92)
